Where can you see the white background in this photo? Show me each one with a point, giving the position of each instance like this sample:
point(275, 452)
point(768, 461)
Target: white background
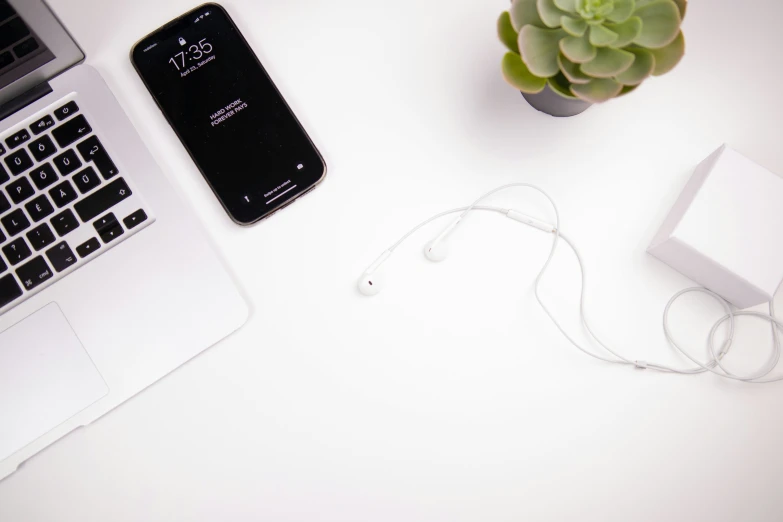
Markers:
point(449, 397)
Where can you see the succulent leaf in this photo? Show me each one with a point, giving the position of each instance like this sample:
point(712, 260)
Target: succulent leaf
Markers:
point(568, 6)
point(560, 85)
point(641, 68)
point(549, 13)
point(682, 5)
point(517, 74)
point(608, 63)
point(660, 24)
point(623, 9)
point(525, 12)
point(539, 49)
point(571, 70)
point(627, 89)
point(506, 32)
point(627, 31)
point(598, 90)
point(578, 50)
point(600, 36)
point(667, 58)
point(573, 26)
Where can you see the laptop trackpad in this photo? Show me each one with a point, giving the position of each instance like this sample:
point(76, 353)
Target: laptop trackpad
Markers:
point(46, 377)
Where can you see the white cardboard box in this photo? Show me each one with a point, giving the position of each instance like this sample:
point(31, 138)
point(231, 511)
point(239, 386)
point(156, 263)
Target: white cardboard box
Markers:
point(726, 229)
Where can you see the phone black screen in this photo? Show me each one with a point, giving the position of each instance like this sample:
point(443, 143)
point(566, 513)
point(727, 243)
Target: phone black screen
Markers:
point(228, 113)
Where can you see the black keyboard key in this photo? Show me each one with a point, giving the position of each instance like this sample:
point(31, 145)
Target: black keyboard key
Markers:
point(12, 32)
point(88, 247)
point(43, 176)
point(39, 208)
point(17, 251)
point(20, 190)
point(67, 110)
point(2, 237)
point(26, 47)
point(2, 149)
point(3, 267)
point(67, 162)
point(42, 125)
point(110, 234)
point(3, 175)
point(65, 222)
point(63, 194)
point(91, 149)
point(135, 219)
point(42, 148)
point(6, 11)
point(34, 273)
point(86, 180)
point(106, 222)
point(71, 131)
point(102, 200)
point(41, 236)
point(61, 256)
point(6, 59)
point(16, 139)
point(15, 222)
point(9, 290)
point(18, 162)
point(4, 204)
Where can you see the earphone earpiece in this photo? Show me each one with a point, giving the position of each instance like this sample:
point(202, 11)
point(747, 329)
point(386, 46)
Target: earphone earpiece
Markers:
point(436, 250)
point(370, 284)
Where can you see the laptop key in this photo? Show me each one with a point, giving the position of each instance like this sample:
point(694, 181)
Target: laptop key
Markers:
point(26, 47)
point(18, 162)
point(17, 251)
point(102, 200)
point(63, 194)
point(42, 148)
point(88, 247)
point(42, 125)
point(9, 290)
point(65, 222)
point(41, 236)
point(91, 149)
point(43, 176)
point(15, 222)
point(67, 162)
point(135, 219)
point(2, 237)
point(61, 256)
point(20, 190)
point(3, 175)
point(69, 109)
point(3, 267)
point(34, 273)
point(4, 204)
point(71, 131)
point(16, 139)
point(86, 180)
point(39, 208)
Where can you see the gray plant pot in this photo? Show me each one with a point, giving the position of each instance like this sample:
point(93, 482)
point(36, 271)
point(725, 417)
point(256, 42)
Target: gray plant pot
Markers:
point(550, 102)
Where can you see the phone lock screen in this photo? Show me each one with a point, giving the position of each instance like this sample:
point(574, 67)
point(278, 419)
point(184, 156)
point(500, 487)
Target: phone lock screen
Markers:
point(228, 113)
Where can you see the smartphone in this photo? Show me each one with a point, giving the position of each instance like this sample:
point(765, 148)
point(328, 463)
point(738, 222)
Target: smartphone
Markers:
point(229, 115)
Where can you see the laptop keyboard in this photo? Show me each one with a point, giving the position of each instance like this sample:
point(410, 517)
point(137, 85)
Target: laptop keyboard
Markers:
point(63, 201)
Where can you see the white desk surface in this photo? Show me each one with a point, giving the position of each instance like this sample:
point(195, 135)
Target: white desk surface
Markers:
point(449, 397)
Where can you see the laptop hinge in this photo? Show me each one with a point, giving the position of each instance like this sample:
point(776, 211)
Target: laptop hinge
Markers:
point(23, 100)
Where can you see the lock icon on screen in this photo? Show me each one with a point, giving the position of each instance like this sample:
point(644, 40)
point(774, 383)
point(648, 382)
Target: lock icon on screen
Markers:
point(182, 41)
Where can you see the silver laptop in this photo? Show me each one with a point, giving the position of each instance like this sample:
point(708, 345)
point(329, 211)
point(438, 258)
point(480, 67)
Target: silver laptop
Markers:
point(107, 282)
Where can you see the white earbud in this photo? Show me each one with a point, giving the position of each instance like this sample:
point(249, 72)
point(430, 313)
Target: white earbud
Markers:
point(371, 282)
point(438, 249)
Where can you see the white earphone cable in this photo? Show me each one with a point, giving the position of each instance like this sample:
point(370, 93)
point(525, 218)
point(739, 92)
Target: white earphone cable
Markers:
point(715, 365)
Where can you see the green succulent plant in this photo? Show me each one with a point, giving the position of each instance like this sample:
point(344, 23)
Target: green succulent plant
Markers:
point(594, 50)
